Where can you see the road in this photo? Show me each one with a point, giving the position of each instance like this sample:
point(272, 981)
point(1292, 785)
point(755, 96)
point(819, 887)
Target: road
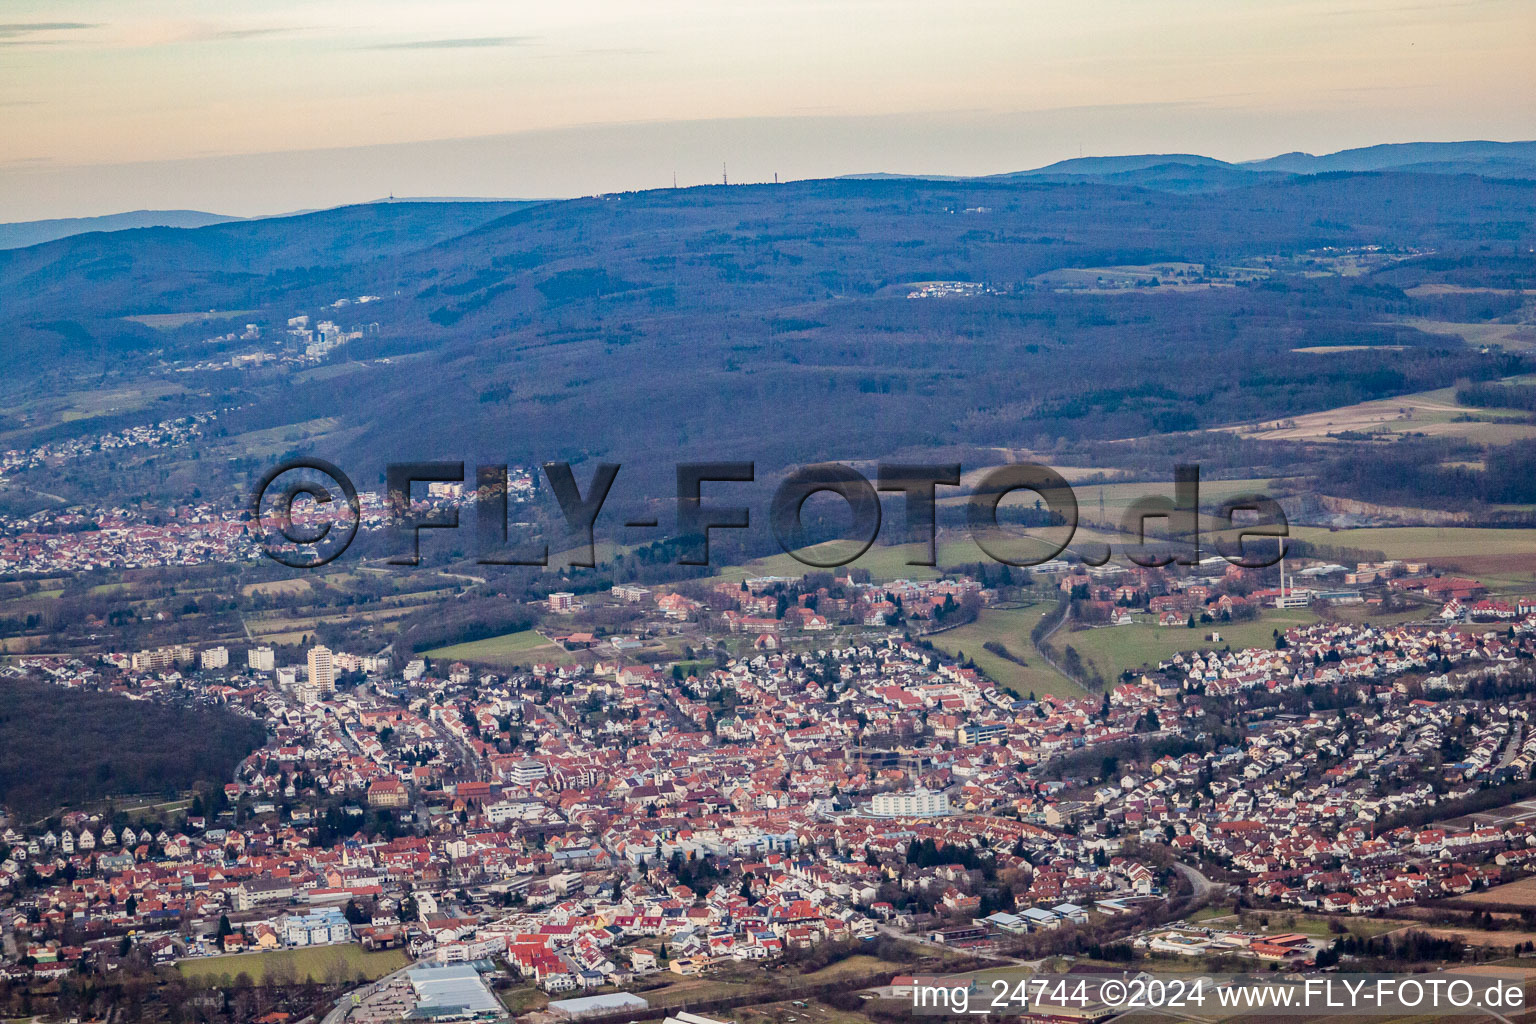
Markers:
point(1044, 652)
point(344, 1004)
point(1202, 889)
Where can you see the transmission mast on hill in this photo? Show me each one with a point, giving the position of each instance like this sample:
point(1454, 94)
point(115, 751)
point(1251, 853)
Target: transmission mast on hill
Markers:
point(723, 179)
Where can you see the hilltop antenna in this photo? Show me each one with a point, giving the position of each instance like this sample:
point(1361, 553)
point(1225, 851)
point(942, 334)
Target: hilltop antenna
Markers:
point(775, 177)
point(674, 179)
point(723, 179)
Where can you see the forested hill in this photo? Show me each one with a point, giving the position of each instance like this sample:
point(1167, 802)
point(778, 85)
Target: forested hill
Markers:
point(773, 322)
point(64, 748)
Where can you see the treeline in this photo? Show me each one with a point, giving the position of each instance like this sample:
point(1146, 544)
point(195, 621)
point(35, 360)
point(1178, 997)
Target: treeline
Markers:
point(462, 622)
point(1048, 621)
point(1498, 396)
point(1474, 803)
point(1408, 948)
point(1430, 474)
point(1000, 649)
point(63, 747)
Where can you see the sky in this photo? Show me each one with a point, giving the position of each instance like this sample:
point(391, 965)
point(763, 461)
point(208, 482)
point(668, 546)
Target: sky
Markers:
point(268, 106)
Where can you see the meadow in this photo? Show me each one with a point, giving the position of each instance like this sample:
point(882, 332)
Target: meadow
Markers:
point(523, 648)
point(1011, 627)
point(315, 963)
point(1114, 649)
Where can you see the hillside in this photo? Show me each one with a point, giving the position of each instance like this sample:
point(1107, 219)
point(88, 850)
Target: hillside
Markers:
point(113, 747)
point(21, 234)
point(1188, 172)
point(153, 269)
point(774, 323)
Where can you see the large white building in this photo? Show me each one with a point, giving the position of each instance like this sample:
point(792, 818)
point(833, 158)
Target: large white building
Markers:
point(526, 773)
point(261, 659)
point(316, 928)
point(919, 803)
point(322, 672)
point(213, 657)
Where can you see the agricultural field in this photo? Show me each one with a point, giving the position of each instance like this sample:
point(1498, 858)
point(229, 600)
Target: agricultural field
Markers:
point(523, 648)
point(293, 586)
point(1433, 542)
point(690, 990)
point(52, 407)
point(167, 321)
point(1486, 939)
point(1111, 650)
point(1010, 627)
point(1434, 413)
point(315, 963)
point(856, 966)
point(523, 999)
point(1518, 895)
point(1170, 276)
point(884, 562)
point(1511, 336)
point(1315, 925)
point(953, 548)
point(272, 440)
point(1319, 350)
point(797, 1012)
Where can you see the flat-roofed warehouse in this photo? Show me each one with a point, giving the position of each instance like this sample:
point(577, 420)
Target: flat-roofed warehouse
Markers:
point(452, 992)
point(589, 1006)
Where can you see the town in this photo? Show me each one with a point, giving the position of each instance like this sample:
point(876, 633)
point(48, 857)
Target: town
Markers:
point(615, 819)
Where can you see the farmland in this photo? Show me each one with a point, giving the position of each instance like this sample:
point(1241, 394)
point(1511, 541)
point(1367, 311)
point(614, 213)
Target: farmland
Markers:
point(1520, 894)
point(1427, 541)
point(1010, 627)
point(1111, 650)
point(315, 963)
point(522, 648)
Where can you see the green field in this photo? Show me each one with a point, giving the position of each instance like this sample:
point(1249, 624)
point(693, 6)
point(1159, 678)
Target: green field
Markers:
point(1113, 649)
point(523, 999)
point(166, 321)
point(1010, 627)
point(890, 562)
point(317, 963)
point(1425, 541)
point(524, 648)
point(1280, 921)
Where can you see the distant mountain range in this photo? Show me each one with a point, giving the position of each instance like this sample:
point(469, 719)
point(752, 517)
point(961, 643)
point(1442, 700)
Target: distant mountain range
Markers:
point(21, 234)
point(1165, 172)
point(773, 321)
point(35, 232)
point(1187, 172)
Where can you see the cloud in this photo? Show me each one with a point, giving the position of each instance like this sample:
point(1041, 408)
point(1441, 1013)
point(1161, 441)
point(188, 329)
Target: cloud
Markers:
point(476, 42)
point(10, 30)
point(248, 33)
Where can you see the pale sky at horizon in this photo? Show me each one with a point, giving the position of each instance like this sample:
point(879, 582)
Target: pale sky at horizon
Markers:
point(271, 105)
